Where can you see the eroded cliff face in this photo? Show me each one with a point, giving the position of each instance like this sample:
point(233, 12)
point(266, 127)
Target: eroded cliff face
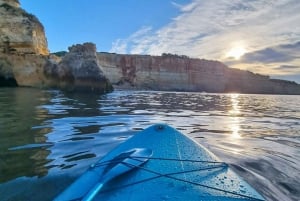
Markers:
point(14, 3)
point(25, 60)
point(26, 70)
point(180, 73)
point(20, 32)
point(78, 70)
point(23, 47)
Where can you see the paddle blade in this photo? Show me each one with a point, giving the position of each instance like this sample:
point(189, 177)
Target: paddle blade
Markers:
point(119, 165)
point(125, 161)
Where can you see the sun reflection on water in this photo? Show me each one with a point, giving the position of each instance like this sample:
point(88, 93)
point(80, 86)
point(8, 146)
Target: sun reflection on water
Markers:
point(235, 119)
point(235, 104)
point(235, 128)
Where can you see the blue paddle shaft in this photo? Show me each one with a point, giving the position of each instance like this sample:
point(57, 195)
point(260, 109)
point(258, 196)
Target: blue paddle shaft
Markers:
point(119, 165)
point(90, 196)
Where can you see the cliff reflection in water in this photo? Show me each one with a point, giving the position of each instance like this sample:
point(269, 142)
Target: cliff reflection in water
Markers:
point(18, 115)
point(50, 137)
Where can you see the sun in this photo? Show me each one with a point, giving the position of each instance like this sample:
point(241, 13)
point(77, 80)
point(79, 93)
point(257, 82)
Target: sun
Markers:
point(236, 52)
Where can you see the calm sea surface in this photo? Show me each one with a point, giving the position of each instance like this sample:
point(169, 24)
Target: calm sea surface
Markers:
point(49, 138)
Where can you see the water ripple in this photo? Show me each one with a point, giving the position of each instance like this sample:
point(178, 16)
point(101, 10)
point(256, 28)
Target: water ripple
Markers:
point(55, 136)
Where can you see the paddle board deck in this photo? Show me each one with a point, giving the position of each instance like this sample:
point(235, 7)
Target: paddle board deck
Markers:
point(179, 169)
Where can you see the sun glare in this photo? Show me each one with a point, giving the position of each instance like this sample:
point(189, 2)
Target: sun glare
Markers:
point(234, 112)
point(236, 52)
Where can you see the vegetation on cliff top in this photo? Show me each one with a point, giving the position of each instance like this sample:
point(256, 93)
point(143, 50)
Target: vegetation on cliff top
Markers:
point(60, 53)
point(174, 55)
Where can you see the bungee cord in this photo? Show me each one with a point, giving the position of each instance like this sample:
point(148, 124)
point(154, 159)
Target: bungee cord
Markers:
point(213, 165)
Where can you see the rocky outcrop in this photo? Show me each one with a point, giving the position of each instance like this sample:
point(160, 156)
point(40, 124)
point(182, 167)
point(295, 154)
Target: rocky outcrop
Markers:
point(78, 70)
point(25, 70)
point(25, 60)
point(180, 73)
point(23, 46)
point(14, 3)
point(20, 32)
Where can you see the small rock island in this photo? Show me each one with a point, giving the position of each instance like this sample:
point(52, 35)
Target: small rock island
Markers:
point(25, 61)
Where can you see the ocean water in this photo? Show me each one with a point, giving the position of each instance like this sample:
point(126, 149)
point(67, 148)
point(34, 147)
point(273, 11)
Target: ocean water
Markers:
point(48, 138)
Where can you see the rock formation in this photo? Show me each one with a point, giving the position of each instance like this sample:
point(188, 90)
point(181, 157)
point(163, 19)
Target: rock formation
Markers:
point(24, 70)
point(78, 71)
point(19, 31)
point(180, 73)
point(25, 59)
point(23, 46)
point(14, 3)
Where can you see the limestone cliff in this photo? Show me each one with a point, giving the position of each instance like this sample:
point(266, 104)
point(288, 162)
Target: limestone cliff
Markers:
point(23, 47)
point(25, 60)
point(20, 32)
point(78, 70)
point(14, 3)
point(180, 73)
point(24, 70)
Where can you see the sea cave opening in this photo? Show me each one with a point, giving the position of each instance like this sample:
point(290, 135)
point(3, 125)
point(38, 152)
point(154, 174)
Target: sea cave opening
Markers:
point(8, 82)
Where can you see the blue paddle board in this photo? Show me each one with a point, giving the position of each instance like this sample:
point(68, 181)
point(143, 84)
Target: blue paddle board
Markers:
point(178, 169)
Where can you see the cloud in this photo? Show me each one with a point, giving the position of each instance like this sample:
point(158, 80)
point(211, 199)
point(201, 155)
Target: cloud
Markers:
point(276, 54)
point(267, 55)
point(206, 28)
point(287, 70)
point(134, 44)
point(288, 67)
point(185, 8)
point(176, 5)
point(119, 46)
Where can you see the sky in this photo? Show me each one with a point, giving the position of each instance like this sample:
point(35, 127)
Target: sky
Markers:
point(261, 36)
